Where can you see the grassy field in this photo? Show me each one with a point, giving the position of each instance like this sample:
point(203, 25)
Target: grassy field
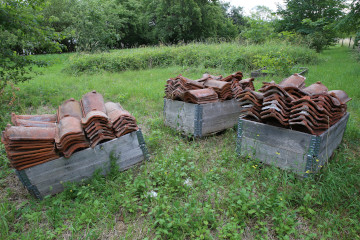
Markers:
point(227, 198)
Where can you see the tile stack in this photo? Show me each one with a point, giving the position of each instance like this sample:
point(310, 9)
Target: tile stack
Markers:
point(197, 91)
point(36, 139)
point(96, 123)
point(122, 121)
point(290, 104)
point(70, 135)
point(201, 96)
point(251, 102)
point(45, 120)
point(27, 146)
point(277, 101)
point(223, 89)
point(316, 111)
point(176, 87)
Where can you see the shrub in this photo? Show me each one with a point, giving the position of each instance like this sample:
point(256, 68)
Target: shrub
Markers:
point(226, 56)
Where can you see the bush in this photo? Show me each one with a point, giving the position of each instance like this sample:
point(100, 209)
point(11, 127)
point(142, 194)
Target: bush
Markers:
point(279, 63)
point(226, 56)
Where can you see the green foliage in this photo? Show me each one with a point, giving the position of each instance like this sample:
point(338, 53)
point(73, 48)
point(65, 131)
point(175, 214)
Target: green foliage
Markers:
point(279, 63)
point(20, 34)
point(259, 26)
point(350, 23)
point(315, 19)
point(118, 24)
point(187, 20)
point(258, 32)
point(227, 56)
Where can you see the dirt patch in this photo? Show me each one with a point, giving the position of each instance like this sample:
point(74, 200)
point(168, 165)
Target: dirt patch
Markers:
point(14, 190)
point(136, 229)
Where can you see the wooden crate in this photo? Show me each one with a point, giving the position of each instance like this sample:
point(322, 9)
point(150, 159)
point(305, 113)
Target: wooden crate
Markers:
point(201, 120)
point(299, 152)
point(48, 178)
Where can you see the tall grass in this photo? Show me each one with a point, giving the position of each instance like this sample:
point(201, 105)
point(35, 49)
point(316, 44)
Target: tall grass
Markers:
point(226, 56)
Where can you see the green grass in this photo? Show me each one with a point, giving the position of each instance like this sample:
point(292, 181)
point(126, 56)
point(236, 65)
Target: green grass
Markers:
point(225, 56)
point(228, 198)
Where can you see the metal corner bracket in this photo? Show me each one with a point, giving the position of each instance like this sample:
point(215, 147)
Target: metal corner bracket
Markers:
point(26, 182)
point(142, 144)
point(198, 120)
point(239, 137)
point(312, 154)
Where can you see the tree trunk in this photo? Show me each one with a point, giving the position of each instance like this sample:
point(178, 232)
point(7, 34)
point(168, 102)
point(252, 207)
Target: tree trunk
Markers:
point(349, 41)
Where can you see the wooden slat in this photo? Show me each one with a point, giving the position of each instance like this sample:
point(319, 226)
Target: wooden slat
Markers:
point(333, 135)
point(48, 177)
point(179, 115)
point(220, 116)
point(289, 149)
point(276, 136)
point(215, 116)
point(274, 155)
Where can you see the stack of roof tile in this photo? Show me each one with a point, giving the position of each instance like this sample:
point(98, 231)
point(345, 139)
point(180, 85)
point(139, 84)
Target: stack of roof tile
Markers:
point(247, 83)
point(122, 121)
point(251, 102)
point(277, 101)
point(176, 87)
point(36, 139)
point(311, 109)
point(316, 112)
point(70, 135)
point(235, 76)
point(201, 96)
point(29, 146)
point(223, 89)
point(96, 123)
point(237, 86)
point(46, 120)
point(207, 76)
point(194, 91)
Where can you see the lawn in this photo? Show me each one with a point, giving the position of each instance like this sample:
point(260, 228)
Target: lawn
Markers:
point(203, 189)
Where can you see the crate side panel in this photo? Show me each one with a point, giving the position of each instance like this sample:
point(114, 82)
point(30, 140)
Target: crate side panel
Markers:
point(274, 155)
point(297, 142)
point(179, 115)
point(54, 186)
point(327, 151)
point(81, 165)
point(331, 138)
point(220, 116)
point(89, 156)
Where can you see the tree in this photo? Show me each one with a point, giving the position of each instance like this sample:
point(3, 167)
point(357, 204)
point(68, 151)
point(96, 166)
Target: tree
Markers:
point(350, 23)
point(21, 34)
point(312, 18)
point(260, 25)
point(187, 20)
point(96, 24)
point(60, 16)
point(236, 15)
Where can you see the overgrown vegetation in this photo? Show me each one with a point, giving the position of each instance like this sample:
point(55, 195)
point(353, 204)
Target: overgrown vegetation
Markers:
point(20, 34)
point(204, 190)
point(47, 26)
point(226, 56)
